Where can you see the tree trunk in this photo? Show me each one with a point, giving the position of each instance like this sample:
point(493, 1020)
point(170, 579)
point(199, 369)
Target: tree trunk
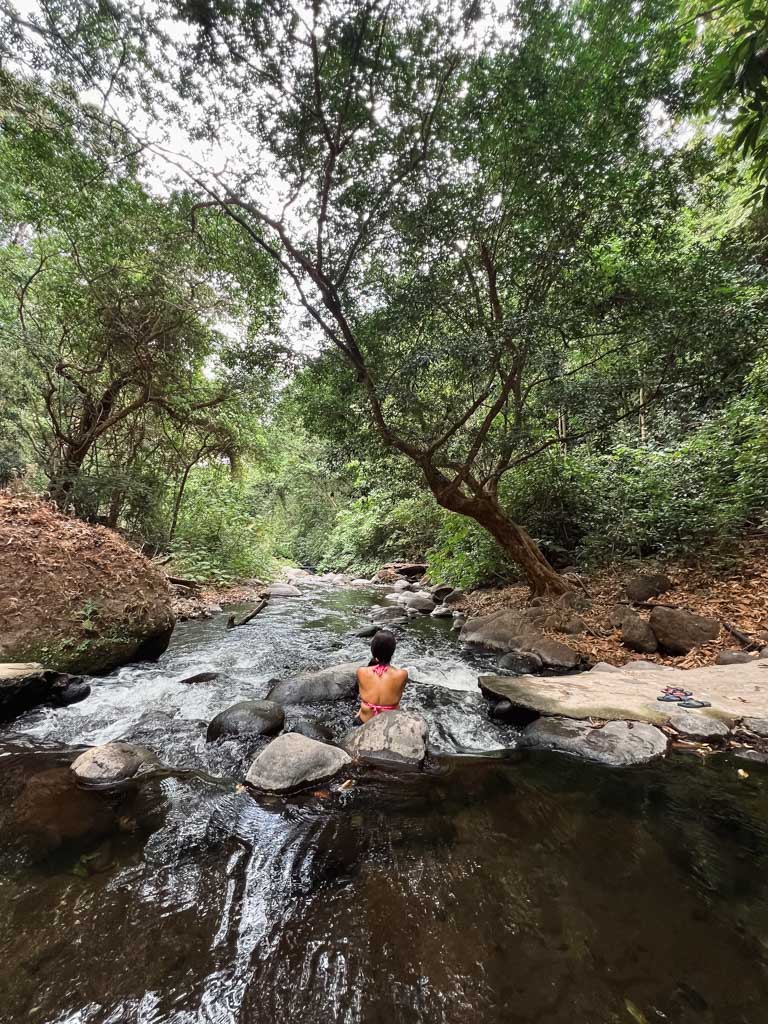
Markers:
point(513, 539)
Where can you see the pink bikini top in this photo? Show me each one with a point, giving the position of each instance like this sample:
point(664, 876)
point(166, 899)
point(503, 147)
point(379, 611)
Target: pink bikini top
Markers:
point(379, 670)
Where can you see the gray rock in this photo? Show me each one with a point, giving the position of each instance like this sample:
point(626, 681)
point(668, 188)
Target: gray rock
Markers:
point(417, 602)
point(206, 676)
point(759, 726)
point(697, 726)
point(553, 654)
point(454, 598)
point(679, 631)
point(459, 622)
point(616, 743)
point(576, 600)
point(248, 718)
point(502, 711)
point(114, 762)
point(441, 591)
point(646, 666)
point(441, 612)
point(384, 614)
point(618, 613)
point(293, 760)
point(396, 737)
point(734, 658)
point(503, 631)
point(312, 728)
point(603, 666)
point(335, 683)
point(369, 631)
point(520, 664)
point(647, 585)
point(764, 652)
point(400, 586)
point(637, 634)
point(564, 621)
point(29, 685)
point(282, 590)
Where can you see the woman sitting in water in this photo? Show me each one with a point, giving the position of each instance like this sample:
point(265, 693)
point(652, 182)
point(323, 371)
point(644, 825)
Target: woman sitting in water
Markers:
point(381, 685)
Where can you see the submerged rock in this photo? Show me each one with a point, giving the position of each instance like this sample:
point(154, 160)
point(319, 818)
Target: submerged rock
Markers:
point(334, 683)
point(678, 631)
point(397, 737)
point(248, 718)
point(616, 743)
point(292, 760)
point(389, 615)
point(114, 762)
point(312, 728)
point(369, 631)
point(53, 810)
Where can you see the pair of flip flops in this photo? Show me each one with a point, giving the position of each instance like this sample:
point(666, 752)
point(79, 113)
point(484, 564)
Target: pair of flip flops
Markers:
point(684, 698)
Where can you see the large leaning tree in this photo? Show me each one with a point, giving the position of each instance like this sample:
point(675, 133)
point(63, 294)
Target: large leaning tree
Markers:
point(468, 200)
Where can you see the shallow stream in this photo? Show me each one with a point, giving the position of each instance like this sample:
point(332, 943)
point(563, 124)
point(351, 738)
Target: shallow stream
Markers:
point(495, 886)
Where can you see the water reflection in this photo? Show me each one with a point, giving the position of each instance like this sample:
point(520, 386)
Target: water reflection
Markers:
point(527, 889)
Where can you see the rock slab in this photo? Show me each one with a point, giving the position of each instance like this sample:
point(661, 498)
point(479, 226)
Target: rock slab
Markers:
point(616, 743)
point(698, 726)
point(393, 737)
point(293, 760)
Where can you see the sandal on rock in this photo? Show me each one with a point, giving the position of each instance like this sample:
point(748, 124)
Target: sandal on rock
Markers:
point(672, 698)
point(695, 703)
point(677, 691)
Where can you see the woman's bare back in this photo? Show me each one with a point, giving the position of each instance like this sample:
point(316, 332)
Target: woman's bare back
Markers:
point(380, 690)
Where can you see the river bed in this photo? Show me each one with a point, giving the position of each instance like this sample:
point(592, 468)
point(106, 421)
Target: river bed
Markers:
point(496, 885)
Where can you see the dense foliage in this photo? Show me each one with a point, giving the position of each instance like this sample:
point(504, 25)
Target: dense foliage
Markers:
point(530, 284)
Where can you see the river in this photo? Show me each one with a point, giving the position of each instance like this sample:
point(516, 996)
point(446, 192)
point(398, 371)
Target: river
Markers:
point(495, 885)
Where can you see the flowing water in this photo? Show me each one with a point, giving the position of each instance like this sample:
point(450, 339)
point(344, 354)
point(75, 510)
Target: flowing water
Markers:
point(500, 887)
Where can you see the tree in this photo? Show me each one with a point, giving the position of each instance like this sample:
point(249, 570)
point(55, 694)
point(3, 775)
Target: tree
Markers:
point(472, 215)
point(116, 310)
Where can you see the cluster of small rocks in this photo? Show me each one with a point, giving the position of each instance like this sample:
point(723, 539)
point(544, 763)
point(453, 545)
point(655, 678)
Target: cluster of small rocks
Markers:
point(297, 754)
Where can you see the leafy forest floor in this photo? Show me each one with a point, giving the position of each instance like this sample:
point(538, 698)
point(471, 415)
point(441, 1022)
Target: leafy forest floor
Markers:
point(731, 587)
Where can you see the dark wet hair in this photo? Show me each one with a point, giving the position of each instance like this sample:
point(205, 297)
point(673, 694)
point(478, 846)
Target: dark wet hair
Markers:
point(382, 647)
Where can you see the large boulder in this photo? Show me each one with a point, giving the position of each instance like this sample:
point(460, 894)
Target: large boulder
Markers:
point(500, 631)
point(112, 763)
point(647, 585)
point(248, 718)
point(282, 590)
point(455, 598)
point(25, 686)
point(291, 761)
point(637, 634)
point(335, 683)
point(441, 591)
point(678, 631)
point(74, 597)
point(393, 737)
point(616, 743)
